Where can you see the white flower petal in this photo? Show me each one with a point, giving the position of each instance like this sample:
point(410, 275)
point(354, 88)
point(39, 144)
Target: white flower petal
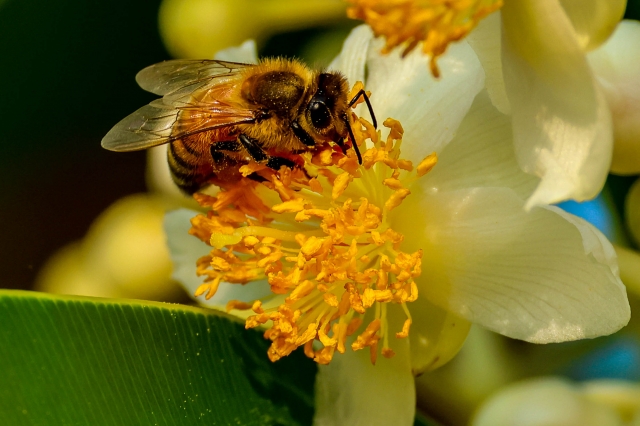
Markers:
point(594, 242)
point(246, 53)
point(561, 121)
point(481, 154)
point(532, 276)
point(485, 40)
point(351, 60)
point(185, 249)
point(617, 68)
point(430, 110)
point(158, 174)
point(543, 402)
point(593, 20)
point(351, 391)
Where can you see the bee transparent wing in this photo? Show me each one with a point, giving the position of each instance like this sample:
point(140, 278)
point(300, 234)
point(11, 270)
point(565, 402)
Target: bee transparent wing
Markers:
point(209, 117)
point(185, 75)
point(159, 123)
point(178, 113)
point(149, 126)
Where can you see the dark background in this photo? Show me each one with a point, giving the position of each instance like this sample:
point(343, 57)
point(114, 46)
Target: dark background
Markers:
point(67, 72)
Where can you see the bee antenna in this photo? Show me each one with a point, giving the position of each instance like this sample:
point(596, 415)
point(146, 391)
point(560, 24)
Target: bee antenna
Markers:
point(353, 140)
point(366, 100)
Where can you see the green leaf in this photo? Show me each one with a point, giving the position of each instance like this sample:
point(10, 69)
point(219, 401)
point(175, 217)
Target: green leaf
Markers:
point(82, 361)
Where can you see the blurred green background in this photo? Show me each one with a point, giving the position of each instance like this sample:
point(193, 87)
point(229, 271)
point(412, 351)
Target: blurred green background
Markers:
point(67, 76)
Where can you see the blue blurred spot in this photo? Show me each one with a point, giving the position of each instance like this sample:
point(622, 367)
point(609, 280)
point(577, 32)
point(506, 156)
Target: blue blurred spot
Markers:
point(618, 360)
point(596, 212)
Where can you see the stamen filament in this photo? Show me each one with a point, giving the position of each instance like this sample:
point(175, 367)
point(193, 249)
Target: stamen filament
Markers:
point(274, 233)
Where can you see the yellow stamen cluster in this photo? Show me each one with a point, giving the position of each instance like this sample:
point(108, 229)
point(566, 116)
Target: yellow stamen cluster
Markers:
point(434, 22)
point(323, 243)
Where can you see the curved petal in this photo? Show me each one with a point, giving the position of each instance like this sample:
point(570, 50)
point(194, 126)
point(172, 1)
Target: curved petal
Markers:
point(593, 20)
point(600, 213)
point(617, 67)
point(185, 249)
point(561, 121)
point(542, 276)
point(486, 41)
point(352, 391)
point(430, 110)
point(246, 53)
point(543, 402)
point(481, 154)
point(351, 60)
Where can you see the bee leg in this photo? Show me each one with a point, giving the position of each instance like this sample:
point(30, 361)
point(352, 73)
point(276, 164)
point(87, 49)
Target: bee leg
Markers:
point(256, 177)
point(252, 147)
point(258, 154)
point(276, 162)
point(302, 135)
point(221, 159)
point(232, 146)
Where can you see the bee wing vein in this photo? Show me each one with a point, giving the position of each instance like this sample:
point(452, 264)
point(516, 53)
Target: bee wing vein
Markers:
point(163, 120)
point(168, 77)
point(152, 125)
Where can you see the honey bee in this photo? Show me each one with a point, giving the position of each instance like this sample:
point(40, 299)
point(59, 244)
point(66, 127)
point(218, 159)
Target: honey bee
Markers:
point(217, 115)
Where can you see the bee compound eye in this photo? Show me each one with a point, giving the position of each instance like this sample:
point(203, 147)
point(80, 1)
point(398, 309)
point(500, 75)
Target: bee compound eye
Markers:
point(320, 115)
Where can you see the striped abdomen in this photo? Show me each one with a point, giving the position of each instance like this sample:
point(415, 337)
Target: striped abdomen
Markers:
point(193, 164)
point(190, 168)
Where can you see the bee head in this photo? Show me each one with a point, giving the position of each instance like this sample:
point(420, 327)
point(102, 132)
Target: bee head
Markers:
point(324, 112)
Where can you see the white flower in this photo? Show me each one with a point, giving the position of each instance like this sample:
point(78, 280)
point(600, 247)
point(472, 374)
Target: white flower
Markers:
point(535, 56)
point(541, 276)
point(616, 65)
